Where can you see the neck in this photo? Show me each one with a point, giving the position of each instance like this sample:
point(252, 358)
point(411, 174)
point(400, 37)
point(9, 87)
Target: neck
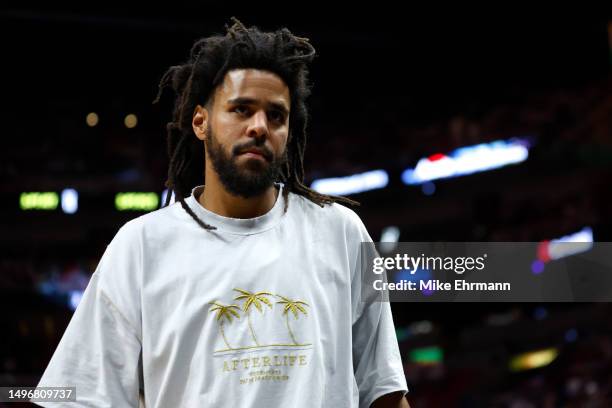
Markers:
point(217, 199)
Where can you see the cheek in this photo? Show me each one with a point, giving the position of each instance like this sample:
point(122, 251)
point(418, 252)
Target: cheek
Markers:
point(227, 126)
point(282, 139)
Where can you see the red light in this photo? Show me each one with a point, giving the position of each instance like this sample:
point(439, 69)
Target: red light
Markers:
point(436, 156)
point(543, 254)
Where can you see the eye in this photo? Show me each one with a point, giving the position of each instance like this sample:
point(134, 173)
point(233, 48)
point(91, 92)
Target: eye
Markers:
point(241, 110)
point(276, 116)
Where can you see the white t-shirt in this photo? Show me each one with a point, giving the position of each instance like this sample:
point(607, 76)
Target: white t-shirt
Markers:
point(261, 312)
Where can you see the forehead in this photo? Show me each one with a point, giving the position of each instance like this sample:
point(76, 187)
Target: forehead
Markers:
point(255, 84)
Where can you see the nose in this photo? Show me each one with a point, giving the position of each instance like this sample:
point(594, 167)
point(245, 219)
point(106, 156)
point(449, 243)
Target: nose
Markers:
point(258, 125)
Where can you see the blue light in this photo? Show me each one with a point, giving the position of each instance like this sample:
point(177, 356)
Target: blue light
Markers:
point(356, 183)
point(70, 201)
point(537, 267)
point(540, 313)
point(428, 188)
point(419, 275)
point(75, 298)
point(164, 195)
point(571, 335)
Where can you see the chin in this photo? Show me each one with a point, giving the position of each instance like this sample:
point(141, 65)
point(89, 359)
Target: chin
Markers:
point(255, 165)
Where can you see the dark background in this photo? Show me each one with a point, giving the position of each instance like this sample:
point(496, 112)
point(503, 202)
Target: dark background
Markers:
point(390, 87)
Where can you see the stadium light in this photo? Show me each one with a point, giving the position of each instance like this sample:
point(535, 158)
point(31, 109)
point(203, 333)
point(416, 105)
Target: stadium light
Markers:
point(533, 359)
point(467, 160)
point(38, 201)
point(136, 201)
point(70, 201)
point(356, 183)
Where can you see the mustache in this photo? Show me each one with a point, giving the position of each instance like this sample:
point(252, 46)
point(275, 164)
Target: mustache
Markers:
point(267, 153)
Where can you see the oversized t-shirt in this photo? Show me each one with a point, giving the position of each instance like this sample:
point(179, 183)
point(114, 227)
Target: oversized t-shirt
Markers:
point(261, 312)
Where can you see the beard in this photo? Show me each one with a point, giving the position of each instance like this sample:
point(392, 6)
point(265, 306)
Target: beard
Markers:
point(250, 179)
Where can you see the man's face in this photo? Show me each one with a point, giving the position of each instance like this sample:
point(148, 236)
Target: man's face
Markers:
point(245, 131)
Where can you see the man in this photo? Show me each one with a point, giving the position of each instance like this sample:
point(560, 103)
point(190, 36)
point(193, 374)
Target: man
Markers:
point(246, 292)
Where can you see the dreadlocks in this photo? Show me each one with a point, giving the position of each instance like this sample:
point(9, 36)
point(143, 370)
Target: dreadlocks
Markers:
point(193, 83)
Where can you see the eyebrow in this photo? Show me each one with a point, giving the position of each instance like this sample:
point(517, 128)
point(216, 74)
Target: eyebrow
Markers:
point(250, 101)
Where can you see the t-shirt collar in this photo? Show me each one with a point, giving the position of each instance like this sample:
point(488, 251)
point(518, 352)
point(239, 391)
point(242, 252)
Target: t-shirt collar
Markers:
point(238, 225)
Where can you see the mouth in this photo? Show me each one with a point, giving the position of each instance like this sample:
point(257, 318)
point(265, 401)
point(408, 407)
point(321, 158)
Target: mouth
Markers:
point(254, 153)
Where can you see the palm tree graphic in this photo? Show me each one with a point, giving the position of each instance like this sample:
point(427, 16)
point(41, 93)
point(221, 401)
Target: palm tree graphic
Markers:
point(250, 299)
point(295, 306)
point(224, 312)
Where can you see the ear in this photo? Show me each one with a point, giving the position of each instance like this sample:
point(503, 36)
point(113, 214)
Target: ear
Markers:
point(200, 122)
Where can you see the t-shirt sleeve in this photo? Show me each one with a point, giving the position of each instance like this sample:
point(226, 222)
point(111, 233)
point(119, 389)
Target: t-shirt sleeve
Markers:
point(99, 351)
point(377, 362)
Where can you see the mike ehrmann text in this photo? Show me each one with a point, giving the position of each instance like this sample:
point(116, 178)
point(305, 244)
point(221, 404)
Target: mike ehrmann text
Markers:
point(437, 285)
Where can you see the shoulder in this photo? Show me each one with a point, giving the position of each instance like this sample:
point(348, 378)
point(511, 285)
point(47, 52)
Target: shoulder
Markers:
point(328, 210)
point(155, 223)
point(333, 215)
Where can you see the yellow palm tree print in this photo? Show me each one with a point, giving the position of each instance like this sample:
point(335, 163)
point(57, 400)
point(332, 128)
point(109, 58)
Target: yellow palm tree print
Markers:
point(250, 299)
point(294, 306)
point(224, 312)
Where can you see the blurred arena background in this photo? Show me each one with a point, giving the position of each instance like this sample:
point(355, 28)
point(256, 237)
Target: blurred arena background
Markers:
point(392, 92)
